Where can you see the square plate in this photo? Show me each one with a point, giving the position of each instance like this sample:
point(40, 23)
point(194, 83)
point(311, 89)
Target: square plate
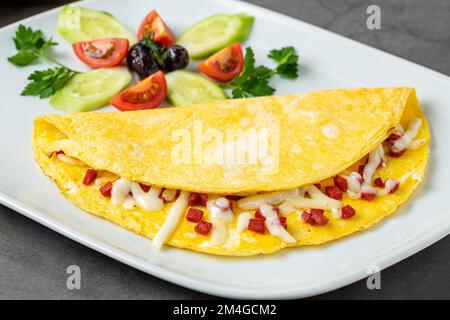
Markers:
point(327, 61)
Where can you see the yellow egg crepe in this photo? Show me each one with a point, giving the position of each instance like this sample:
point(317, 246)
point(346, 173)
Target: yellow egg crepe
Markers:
point(249, 149)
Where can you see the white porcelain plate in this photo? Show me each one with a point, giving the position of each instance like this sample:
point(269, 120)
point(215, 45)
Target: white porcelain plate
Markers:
point(327, 61)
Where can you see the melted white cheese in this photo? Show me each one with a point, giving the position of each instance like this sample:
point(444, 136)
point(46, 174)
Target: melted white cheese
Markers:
point(273, 224)
point(129, 203)
point(416, 144)
point(173, 218)
point(368, 189)
point(243, 220)
point(337, 212)
point(410, 134)
point(375, 158)
point(388, 186)
point(120, 190)
point(169, 194)
point(391, 183)
point(72, 186)
point(150, 200)
point(69, 160)
point(273, 198)
point(354, 182)
point(353, 185)
point(221, 213)
point(315, 199)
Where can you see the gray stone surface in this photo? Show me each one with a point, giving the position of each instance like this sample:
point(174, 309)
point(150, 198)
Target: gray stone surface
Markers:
point(33, 259)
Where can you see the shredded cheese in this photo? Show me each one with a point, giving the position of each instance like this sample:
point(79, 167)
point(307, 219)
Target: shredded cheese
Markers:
point(375, 158)
point(408, 136)
point(120, 190)
point(316, 199)
point(129, 203)
point(150, 200)
point(273, 198)
point(70, 161)
point(221, 214)
point(243, 220)
point(273, 224)
point(416, 144)
point(173, 218)
point(169, 194)
point(353, 185)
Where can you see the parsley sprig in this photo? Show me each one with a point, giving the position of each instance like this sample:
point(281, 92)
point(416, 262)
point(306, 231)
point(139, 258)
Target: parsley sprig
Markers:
point(32, 45)
point(158, 51)
point(45, 83)
point(254, 80)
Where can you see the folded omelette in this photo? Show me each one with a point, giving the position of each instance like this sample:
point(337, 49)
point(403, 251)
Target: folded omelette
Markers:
point(242, 177)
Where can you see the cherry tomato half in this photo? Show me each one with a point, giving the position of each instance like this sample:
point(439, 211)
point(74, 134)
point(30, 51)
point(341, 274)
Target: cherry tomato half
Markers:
point(146, 94)
point(102, 53)
point(154, 24)
point(224, 65)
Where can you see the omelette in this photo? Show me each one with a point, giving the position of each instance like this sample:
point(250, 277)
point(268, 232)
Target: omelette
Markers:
point(242, 177)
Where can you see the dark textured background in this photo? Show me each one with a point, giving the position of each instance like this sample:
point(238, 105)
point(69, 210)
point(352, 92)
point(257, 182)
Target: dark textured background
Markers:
point(33, 259)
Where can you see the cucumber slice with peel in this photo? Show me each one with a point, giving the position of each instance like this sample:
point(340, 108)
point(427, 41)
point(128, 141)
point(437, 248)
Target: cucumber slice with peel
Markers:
point(215, 33)
point(187, 88)
point(91, 90)
point(77, 24)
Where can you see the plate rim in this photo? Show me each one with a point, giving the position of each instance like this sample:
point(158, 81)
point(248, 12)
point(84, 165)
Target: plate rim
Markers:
point(384, 261)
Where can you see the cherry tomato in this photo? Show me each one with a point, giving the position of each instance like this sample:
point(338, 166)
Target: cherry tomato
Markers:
point(146, 94)
point(224, 65)
point(102, 53)
point(154, 24)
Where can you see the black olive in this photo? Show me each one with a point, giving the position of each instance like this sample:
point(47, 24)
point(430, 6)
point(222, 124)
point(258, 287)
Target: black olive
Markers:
point(140, 59)
point(177, 57)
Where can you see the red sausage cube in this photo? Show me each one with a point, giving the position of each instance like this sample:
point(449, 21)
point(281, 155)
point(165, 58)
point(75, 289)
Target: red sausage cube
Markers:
point(194, 215)
point(258, 215)
point(144, 187)
point(348, 212)
point(283, 221)
point(367, 196)
point(334, 192)
point(203, 199)
point(105, 190)
point(319, 218)
point(316, 211)
point(194, 199)
point(90, 176)
point(203, 227)
point(379, 182)
point(341, 183)
point(256, 225)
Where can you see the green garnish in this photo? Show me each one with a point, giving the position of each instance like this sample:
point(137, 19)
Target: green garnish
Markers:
point(158, 52)
point(287, 60)
point(31, 46)
point(254, 81)
point(45, 83)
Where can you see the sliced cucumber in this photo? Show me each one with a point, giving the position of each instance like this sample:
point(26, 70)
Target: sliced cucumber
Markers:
point(80, 24)
point(187, 87)
point(214, 33)
point(91, 90)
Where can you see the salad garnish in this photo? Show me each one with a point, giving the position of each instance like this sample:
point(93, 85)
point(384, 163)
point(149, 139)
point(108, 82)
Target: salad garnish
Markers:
point(44, 83)
point(31, 46)
point(254, 81)
point(158, 52)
